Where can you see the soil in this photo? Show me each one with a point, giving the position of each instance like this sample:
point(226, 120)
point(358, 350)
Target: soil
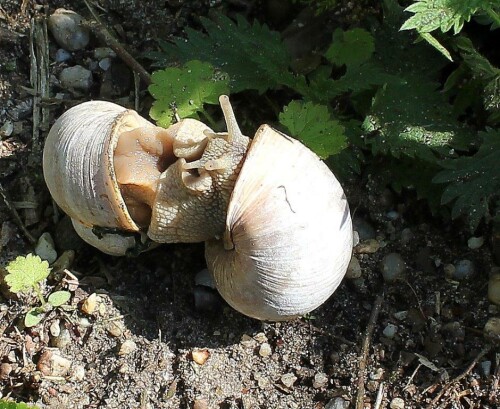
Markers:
point(153, 338)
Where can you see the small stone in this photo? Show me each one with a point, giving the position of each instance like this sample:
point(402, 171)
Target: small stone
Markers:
point(392, 267)
point(400, 315)
point(64, 261)
point(288, 380)
point(204, 278)
point(77, 78)
point(494, 289)
point(52, 364)
point(337, 403)
point(377, 375)
point(390, 330)
point(260, 337)
point(397, 403)
point(367, 247)
point(45, 248)
point(127, 347)
point(492, 329)
point(5, 370)
point(364, 229)
point(392, 215)
point(115, 329)
point(354, 269)
point(78, 373)
point(54, 328)
point(475, 243)
point(200, 404)
point(320, 380)
point(355, 238)
point(90, 303)
point(104, 64)
point(200, 356)
point(486, 368)
point(7, 129)
point(265, 350)
point(67, 28)
point(103, 52)
point(84, 322)
point(63, 339)
point(449, 270)
point(406, 236)
point(263, 382)
point(62, 55)
point(247, 341)
point(464, 269)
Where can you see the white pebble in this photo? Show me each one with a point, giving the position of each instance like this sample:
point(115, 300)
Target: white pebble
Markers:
point(475, 242)
point(288, 380)
point(354, 269)
point(265, 350)
point(105, 63)
point(390, 330)
point(392, 267)
point(397, 403)
point(45, 248)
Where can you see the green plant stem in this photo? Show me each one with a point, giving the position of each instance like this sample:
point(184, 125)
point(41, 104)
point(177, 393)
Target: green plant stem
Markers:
point(39, 294)
point(493, 15)
point(210, 119)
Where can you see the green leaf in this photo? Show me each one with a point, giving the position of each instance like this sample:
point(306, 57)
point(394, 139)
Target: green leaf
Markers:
point(33, 317)
point(24, 273)
point(436, 44)
point(4, 404)
point(185, 90)
point(312, 124)
point(58, 298)
point(252, 55)
point(474, 181)
point(413, 120)
point(351, 47)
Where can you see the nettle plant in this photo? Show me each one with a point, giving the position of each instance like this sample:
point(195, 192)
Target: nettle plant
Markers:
point(377, 93)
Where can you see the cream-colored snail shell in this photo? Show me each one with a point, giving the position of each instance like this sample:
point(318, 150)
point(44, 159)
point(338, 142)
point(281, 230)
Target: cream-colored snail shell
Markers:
point(288, 234)
point(79, 170)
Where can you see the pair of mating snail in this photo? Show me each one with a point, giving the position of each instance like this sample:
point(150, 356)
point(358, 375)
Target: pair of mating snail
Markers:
point(274, 218)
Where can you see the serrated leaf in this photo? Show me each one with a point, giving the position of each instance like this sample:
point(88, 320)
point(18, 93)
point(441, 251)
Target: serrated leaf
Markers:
point(58, 298)
point(252, 55)
point(312, 124)
point(413, 120)
point(33, 317)
point(474, 181)
point(185, 90)
point(352, 47)
point(25, 272)
point(14, 405)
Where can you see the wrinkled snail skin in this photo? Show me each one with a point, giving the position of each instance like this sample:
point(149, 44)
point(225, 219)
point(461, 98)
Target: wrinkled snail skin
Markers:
point(288, 235)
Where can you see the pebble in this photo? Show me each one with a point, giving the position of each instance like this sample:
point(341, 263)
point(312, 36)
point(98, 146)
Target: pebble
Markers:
point(337, 403)
point(354, 269)
point(486, 368)
point(464, 269)
point(494, 289)
point(77, 78)
point(64, 261)
point(265, 350)
point(475, 243)
point(392, 267)
point(78, 373)
point(400, 315)
point(45, 248)
point(61, 340)
point(247, 341)
point(127, 347)
point(200, 356)
point(89, 305)
point(390, 330)
point(288, 380)
point(449, 270)
point(367, 247)
point(392, 215)
point(365, 230)
point(62, 55)
point(68, 31)
point(5, 370)
point(204, 278)
point(103, 52)
point(320, 380)
point(492, 329)
point(355, 238)
point(53, 364)
point(104, 64)
point(54, 328)
point(397, 403)
point(115, 329)
point(200, 404)
point(6, 129)
point(260, 337)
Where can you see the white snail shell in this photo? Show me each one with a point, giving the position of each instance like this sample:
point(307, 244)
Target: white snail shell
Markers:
point(288, 234)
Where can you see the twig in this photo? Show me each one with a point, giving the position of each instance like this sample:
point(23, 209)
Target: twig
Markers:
point(366, 346)
point(16, 216)
point(474, 362)
point(380, 396)
point(103, 33)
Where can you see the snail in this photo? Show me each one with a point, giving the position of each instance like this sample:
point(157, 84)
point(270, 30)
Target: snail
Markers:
point(274, 218)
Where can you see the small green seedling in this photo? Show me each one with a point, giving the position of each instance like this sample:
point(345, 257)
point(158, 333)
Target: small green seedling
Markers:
point(5, 404)
point(26, 274)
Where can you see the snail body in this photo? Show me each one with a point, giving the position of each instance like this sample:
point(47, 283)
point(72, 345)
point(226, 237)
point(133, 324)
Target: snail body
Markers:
point(274, 218)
